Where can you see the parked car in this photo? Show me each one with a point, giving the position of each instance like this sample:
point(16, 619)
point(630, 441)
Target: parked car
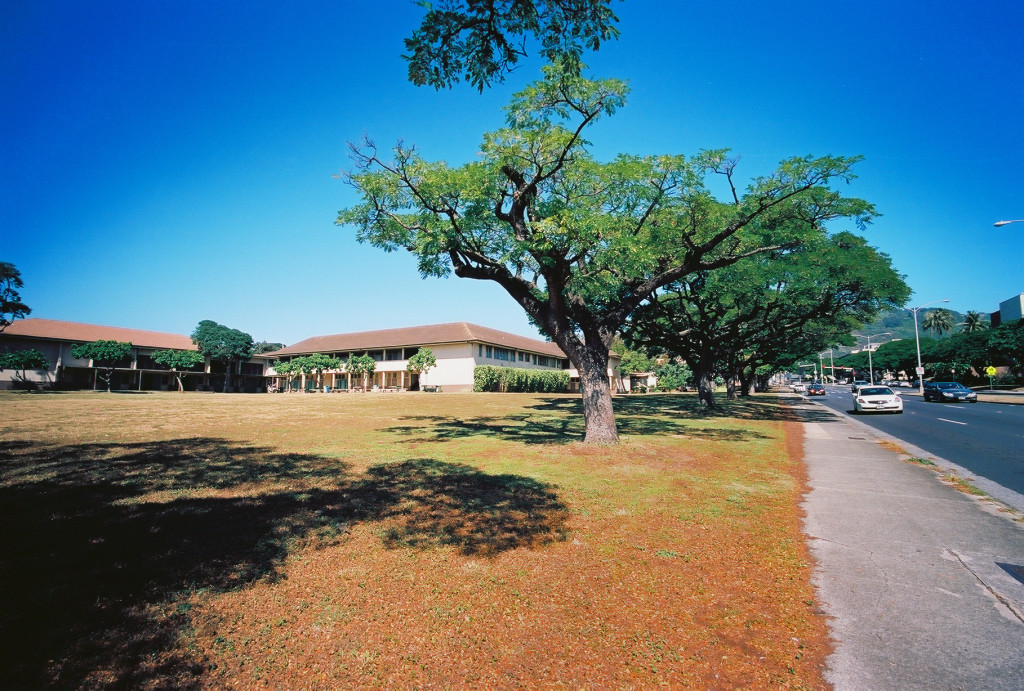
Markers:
point(948, 391)
point(857, 384)
point(877, 399)
point(798, 387)
point(815, 390)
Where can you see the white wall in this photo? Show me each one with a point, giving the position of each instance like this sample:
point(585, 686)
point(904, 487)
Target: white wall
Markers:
point(1012, 309)
point(454, 371)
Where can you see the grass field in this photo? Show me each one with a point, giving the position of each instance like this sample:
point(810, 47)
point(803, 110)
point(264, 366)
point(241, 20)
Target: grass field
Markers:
point(400, 540)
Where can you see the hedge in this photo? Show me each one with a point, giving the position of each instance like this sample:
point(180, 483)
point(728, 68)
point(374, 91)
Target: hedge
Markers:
point(517, 379)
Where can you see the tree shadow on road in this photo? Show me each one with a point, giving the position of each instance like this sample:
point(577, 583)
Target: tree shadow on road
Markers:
point(105, 543)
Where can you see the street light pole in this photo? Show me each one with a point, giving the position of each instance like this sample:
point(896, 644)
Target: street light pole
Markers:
point(917, 338)
point(871, 369)
point(999, 224)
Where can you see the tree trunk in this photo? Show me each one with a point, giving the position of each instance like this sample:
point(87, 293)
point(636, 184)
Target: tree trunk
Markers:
point(747, 382)
point(227, 376)
point(181, 384)
point(730, 387)
point(598, 414)
point(705, 388)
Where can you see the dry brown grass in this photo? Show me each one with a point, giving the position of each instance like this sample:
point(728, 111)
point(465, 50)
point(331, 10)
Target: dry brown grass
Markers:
point(408, 541)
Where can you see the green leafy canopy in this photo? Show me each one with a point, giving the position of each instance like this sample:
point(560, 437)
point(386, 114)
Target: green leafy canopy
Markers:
point(107, 352)
point(580, 243)
point(482, 40)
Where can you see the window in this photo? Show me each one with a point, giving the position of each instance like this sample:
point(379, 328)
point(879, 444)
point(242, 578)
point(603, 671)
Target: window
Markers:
point(393, 354)
point(377, 355)
point(490, 351)
point(409, 352)
point(252, 368)
point(479, 350)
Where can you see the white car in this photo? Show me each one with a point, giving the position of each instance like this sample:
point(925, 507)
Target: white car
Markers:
point(798, 387)
point(877, 399)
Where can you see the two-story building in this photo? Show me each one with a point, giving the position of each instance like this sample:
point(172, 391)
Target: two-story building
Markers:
point(54, 339)
point(458, 348)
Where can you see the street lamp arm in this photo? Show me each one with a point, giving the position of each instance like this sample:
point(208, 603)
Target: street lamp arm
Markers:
point(999, 224)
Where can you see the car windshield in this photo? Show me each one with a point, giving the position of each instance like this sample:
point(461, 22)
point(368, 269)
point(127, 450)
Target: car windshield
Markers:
point(950, 385)
point(876, 391)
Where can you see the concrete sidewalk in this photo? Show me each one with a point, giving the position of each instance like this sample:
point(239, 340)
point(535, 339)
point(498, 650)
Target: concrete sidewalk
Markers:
point(924, 585)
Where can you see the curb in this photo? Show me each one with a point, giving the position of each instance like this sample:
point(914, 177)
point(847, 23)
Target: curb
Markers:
point(1013, 502)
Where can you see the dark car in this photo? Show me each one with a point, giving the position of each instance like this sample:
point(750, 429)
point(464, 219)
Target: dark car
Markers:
point(948, 391)
point(815, 390)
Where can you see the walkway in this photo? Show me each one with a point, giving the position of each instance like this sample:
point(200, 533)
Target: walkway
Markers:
point(924, 584)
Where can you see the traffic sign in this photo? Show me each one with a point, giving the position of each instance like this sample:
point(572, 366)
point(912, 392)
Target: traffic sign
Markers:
point(920, 371)
point(990, 371)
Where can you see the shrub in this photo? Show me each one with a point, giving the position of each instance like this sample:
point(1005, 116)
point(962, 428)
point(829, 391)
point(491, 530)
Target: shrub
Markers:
point(517, 379)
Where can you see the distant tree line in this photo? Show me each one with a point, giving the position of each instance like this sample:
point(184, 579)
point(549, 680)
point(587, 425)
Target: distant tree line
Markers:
point(964, 356)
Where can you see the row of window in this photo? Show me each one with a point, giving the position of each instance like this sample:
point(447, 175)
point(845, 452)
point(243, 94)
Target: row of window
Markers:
point(508, 355)
point(382, 355)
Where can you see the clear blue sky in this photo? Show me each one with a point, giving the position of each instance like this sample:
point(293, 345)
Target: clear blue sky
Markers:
point(167, 162)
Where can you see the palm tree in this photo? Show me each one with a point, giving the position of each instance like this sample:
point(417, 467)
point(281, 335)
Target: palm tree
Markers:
point(973, 321)
point(938, 321)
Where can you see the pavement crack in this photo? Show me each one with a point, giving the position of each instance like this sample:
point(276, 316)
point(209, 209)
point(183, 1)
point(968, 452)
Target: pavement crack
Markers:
point(995, 594)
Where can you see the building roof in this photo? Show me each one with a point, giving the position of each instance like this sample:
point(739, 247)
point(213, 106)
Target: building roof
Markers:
point(53, 330)
point(434, 334)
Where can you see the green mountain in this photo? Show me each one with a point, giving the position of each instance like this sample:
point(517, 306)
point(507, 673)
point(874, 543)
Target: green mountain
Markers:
point(900, 325)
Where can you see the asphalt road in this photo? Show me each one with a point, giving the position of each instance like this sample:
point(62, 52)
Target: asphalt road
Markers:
point(985, 438)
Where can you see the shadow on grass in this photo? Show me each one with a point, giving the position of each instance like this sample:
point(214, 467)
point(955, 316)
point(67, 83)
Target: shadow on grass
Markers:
point(96, 571)
point(559, 420)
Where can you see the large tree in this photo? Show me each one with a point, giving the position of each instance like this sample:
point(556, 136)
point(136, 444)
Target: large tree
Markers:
point(287, 368)
point(21, 361)
point(422, 361)
point(578, 243)
point(769, 310)
point(11, 306)
point(266, 347)
point(316, 364)
point(180, 362)
point(482, 40)
point(105, 356)
point(223, 344)
point(1006, 345)
point(938, 321)
point(974, 321)
point(362, 366)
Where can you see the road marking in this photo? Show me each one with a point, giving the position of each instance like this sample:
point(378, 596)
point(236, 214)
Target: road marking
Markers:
point(952, 421)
